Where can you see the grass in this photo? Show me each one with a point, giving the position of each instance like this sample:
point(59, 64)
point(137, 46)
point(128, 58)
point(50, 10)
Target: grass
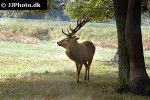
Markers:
point(47, 53)
point(42, 71)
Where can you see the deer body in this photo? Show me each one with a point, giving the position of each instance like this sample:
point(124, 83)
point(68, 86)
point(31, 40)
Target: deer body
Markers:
point(80, 53)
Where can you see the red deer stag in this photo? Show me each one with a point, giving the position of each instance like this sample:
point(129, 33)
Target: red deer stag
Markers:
point(80, 53)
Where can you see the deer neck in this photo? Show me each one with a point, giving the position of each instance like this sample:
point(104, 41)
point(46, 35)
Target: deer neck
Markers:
point(72, 50)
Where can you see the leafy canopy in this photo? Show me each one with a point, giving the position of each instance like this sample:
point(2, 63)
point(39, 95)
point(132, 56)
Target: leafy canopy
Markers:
point(96, 10)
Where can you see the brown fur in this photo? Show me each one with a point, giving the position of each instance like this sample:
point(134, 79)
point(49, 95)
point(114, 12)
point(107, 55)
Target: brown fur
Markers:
point(80, 53)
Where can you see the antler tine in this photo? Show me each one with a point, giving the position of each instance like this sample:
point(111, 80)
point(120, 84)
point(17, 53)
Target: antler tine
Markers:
point(68, 32)
point(64, 33)
point(84, 21)
point(80, 23)
point(70, 28)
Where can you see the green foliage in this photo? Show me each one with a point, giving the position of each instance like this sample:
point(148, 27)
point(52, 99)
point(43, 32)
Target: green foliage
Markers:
point(97, 10)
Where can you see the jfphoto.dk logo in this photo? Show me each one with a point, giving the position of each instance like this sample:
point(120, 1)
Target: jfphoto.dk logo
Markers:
point(23, 4)
point(3, 5)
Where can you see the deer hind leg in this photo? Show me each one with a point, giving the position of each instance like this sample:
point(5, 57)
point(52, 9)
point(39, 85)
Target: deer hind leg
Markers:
point(89, 62)
point(78, 66)
point(86, 70)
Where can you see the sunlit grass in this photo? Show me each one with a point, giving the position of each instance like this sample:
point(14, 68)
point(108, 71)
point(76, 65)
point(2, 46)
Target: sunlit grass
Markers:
point(17, 57)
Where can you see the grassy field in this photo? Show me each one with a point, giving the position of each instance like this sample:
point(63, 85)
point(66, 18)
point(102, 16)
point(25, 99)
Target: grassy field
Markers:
point(42, 71)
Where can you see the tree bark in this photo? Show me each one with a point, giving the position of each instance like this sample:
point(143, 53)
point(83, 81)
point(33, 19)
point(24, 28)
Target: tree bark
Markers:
point(120, 8)
point(131, 59)
point(139, 80)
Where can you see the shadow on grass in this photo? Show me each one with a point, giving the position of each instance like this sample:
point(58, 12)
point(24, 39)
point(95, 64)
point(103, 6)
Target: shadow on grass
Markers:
point(61, 85)
point(55, 85)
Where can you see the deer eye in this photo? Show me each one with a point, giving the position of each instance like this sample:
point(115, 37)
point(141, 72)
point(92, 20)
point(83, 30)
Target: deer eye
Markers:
point(67, 39)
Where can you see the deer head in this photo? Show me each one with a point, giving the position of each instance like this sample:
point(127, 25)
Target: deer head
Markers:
point(71, 34)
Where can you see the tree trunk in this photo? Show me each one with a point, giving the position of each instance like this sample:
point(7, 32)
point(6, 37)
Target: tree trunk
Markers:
point(128, 21)
point(120, 7)
point(139, 80)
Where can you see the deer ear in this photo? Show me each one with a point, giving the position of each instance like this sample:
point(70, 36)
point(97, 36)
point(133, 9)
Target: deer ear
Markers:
point(76, 38)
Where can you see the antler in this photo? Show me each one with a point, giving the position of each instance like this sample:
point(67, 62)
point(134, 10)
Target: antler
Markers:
point(80, 23)
point(65, 33)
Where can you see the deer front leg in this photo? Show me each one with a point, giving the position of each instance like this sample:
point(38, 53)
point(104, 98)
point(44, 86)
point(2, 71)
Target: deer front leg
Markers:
point(79, 66)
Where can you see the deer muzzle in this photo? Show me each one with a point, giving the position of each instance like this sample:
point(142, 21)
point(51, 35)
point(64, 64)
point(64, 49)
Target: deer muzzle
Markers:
point(59, 43)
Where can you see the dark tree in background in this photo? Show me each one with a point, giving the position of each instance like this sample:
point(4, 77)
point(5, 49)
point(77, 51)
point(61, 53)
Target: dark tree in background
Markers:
point(132, 71)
